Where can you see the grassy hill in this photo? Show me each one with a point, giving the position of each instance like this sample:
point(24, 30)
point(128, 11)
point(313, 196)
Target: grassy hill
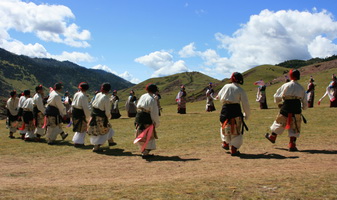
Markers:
point(195, 84)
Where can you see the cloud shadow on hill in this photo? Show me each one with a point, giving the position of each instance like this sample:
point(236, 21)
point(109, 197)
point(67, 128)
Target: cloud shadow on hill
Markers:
point(266, 156)
point(170, 158)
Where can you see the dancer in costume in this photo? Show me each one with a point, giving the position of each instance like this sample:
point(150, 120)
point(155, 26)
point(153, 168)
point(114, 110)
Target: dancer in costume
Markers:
point(294, 99)
point(261, 94)
point(130, 105)
point(209, 98)
point(28, 118)
point(12, 113)
point(311, 93)
point(331, 91)
point(21, 124)
point(114, 100)
point(181, 100)
point(55, 114)
point(80, 114)
point(99, 127)
point(231, 117)
point(39, 111)
point(147, 119)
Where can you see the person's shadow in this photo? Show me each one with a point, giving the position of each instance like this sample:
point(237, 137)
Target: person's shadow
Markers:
point(265, 155)
point(169, 158)
point(116, 152)
point(313, 151)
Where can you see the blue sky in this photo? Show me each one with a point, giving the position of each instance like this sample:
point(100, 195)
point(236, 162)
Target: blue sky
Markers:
point(140, 39)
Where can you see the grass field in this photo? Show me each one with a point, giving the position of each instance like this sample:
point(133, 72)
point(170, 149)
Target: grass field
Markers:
point(189, 161)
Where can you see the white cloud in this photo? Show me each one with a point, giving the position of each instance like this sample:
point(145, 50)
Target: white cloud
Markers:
point(270, 38)
point(163, 64)
point(48, 22)
point(125, 75)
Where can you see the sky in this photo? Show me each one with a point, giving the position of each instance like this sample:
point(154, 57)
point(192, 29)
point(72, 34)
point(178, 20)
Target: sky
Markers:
point(141, 39)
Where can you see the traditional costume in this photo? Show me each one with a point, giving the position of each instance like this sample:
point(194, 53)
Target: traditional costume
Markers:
point(209, 98)
point(181, 100)
point(231, 117)
point(21, 123)
point(115, 114)
point(294, 99)
point(54, 115)
point(12, 113)
point(80, 114)
point(39, 111)
point(67, 101)
point(157, 97)
point(331, 91)
point(28, 119)
point(147, 119)
point(99, 127)
point(130, 105)
point(311, 93)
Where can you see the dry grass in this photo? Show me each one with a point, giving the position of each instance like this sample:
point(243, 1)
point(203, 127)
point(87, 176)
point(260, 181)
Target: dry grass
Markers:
point(190, 164)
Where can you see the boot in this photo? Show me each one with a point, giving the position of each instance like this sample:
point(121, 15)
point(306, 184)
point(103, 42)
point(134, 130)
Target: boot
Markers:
point(11, 135)
point(271, 137)
point(112, 142)
point(234, 151)
point(292, 144)
point(97, 149)
point(225, 145)
point(64, 135)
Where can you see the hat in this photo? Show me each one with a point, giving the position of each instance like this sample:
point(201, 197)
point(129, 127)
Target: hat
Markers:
point(83, 86)
point(294, 74)
point(151, 88)
point(58, 86)
point(106, 87)
point(38, 88)
point(12, 93)
point(237, 78)
point(26, 92)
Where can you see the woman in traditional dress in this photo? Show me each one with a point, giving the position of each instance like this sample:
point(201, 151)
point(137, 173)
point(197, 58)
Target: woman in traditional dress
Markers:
point(80, 114)
point(311, 93)
point(115, 114)
point(147, 119)
point(130, 105)
point(331, 91)
point(209, 98)
point(99, 127)
point(181, 100)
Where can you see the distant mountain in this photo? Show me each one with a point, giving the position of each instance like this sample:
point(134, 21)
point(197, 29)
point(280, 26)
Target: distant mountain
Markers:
point(22, 72)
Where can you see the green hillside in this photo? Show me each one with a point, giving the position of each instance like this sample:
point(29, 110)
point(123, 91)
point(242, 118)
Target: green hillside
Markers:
point(22, 72)
point(195, 84)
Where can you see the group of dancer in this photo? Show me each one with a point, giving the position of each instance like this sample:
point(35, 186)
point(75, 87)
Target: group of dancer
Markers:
point(34, 118)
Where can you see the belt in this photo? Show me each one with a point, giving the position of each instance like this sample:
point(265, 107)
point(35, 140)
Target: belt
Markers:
point(291, 97)
point(142, 110)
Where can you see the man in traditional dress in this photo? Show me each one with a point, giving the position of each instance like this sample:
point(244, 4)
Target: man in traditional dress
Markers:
point(21, 124)
point(231, 117)
point(294, 99)
point(331, 91)
point(115, 114)
point(209, 98)
point(39, 111)
point(130, 105)
point(12, 113)
point(28, 118)
point(55, 113)
point(147, 119)
point(311, 93)
point(181, 100)
point(80, 114)
point(99, 127)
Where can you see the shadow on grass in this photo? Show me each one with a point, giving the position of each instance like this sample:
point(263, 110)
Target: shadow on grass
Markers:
point(116, 152)
point(265, 156)
point(169, 158)
point(313, 151)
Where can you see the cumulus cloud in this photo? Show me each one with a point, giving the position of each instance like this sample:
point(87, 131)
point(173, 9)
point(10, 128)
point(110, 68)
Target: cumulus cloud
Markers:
point(270, 38)
point(48, 22)
point(163, 64)
point(125, 75)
